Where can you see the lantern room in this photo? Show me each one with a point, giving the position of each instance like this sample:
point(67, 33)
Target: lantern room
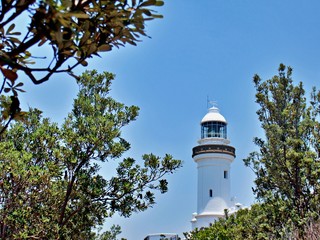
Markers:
point(213, 125)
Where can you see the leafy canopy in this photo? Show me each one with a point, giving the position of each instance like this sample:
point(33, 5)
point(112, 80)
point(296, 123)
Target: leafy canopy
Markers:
point(42, 37)
point(51, 185)
point(76, 29)
point(287, 166)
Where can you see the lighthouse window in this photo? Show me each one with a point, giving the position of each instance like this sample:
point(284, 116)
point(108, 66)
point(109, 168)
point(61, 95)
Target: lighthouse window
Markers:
point(214, 130)
point(210, 193)
point(225, 174)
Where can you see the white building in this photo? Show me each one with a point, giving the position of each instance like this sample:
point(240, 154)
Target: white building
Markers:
point(161, 236)
point(213, 157)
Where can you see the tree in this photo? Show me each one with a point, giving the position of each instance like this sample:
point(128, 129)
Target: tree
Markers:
point(287, 166)
point(51, 186)
point(254, 223)
point(66, 33)
point(115, 230)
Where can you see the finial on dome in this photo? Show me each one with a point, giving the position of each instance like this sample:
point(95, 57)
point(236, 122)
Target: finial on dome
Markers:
point(213, 104)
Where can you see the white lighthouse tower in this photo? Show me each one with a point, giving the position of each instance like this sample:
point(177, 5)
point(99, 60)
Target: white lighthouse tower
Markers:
point(213, 157)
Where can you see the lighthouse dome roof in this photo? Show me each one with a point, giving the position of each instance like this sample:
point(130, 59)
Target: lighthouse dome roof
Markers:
point(213, 116)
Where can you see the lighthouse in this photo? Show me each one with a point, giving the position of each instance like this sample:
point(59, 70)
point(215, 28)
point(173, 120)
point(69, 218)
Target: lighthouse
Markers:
point(213, 156)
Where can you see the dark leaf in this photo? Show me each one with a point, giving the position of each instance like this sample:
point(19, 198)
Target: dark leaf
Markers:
point(104, 47)
point(19, 89)
point(20, 84)
point(10, 28)
point(84, 63)
point(10, 74)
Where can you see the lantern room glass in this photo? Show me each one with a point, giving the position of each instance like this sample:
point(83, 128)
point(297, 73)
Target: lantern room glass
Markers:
point(214, 130)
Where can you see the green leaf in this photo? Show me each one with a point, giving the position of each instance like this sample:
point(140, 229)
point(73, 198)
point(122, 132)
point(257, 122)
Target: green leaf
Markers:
point(159, 3)
point(77, 15)
point(157, 16)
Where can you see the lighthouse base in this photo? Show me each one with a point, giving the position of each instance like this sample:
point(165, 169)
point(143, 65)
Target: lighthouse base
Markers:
point(205, 219)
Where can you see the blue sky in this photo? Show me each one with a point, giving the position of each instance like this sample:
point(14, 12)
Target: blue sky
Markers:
point(201, 48)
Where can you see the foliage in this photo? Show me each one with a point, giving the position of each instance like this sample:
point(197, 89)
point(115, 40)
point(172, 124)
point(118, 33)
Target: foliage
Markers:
point(42, 37)
point(112, 234)
point(287, 166)
point(51, 185)
point(311, 231)
point(256, 223)
point(76, 29)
